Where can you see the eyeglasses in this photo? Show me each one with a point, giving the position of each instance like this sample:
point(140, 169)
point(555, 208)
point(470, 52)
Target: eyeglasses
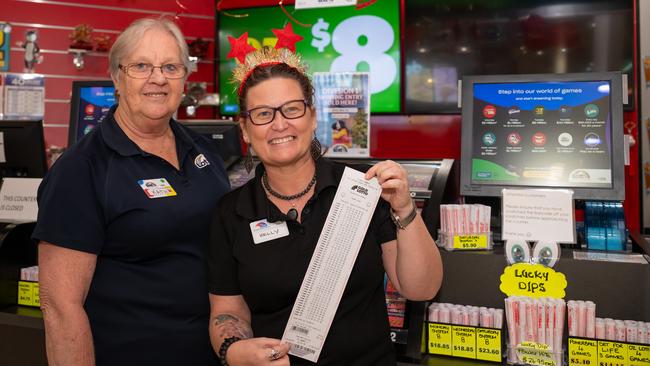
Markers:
point(142, 70)
point(264, 115)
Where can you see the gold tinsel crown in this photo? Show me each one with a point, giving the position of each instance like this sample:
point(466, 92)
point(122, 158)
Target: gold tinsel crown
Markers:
point(265, 56)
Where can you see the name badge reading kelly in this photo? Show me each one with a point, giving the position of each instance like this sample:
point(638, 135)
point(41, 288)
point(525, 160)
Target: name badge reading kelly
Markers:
point(156, 188)
point(264, 231)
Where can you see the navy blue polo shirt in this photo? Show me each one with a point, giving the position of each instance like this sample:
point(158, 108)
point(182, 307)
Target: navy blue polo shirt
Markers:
point(268, 275)
point(147, 303)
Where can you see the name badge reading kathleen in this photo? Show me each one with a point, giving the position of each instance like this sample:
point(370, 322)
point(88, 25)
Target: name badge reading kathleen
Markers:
point(263, 230)
point(156, 188)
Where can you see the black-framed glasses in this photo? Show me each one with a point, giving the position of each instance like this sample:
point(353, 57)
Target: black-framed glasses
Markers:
point(264, 115)
point(143, 70)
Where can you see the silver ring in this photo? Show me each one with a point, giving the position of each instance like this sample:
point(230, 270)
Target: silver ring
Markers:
point(274, 354)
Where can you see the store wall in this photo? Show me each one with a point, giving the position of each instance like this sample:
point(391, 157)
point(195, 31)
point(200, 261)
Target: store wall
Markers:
point(55, 21)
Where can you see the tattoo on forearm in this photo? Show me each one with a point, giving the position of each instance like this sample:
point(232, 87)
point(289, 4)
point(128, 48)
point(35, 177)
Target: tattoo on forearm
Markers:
point(232, 326)
point(222, 318)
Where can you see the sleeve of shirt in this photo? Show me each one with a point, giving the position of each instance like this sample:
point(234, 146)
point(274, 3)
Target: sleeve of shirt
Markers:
point(222, 266)
point(70, 214)
point(386, 230)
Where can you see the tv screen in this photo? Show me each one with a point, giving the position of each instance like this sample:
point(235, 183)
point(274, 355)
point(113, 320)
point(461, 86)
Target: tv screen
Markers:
point(337, 39)
point(445, 40)
point(22, 149)
point(89, 105)
point(543, 131)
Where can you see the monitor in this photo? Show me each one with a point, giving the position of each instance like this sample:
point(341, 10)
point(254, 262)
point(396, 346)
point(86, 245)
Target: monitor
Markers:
point(22, 149)
point(339, 39)
point(448, 39)
point(543, 131)
point(89, 105)
point(223, 133)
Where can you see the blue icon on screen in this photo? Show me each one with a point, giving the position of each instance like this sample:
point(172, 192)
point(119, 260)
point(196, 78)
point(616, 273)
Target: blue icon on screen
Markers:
point(489, 139)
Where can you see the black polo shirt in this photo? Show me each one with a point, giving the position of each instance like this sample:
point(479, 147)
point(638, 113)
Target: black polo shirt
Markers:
point(147, 303)
point(269, 274)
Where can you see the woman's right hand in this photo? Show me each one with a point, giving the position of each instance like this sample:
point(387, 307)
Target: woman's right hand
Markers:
point(258, 352)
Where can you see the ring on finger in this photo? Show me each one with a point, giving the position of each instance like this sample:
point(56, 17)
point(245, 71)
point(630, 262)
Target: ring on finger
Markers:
point(274, 354)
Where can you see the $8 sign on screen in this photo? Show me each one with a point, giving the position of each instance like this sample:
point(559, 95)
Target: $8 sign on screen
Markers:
point(362, 38)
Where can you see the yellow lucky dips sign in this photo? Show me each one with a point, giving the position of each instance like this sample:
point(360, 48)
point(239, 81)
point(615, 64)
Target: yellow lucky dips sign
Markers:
point(532, 280)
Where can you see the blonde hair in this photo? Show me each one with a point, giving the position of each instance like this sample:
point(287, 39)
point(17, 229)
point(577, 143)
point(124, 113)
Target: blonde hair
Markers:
point(128, 40)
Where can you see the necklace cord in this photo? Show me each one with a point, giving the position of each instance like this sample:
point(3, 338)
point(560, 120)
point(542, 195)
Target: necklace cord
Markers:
point(267, 186)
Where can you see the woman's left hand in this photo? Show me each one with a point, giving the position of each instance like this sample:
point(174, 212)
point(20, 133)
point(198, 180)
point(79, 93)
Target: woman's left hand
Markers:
point(394, 183)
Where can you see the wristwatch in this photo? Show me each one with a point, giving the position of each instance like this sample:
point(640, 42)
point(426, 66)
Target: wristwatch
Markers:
point(224, 349)
point(402, 223)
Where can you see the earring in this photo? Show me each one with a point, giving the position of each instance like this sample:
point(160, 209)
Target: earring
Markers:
point(248, 159)
point(316, 149)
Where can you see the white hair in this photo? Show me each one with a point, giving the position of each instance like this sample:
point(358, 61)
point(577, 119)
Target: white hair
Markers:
point(129, 38)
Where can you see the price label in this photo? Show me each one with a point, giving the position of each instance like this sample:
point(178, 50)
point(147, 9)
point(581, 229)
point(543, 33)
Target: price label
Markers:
point(470, 242)
point(488, 344)
point(36, 300)
point(440, 339)
point(638, 355)
point(612, 353)
point(25, 293)
point(463, 340)
point(537, 354)
point(583, 352)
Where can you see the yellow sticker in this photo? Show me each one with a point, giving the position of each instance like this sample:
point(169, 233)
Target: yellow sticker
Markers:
point(537, 354)
point(463, 341)
point(612, 353)
point(488, 344)
point(583, 352)
point(440, 339)
point(25, 293)
point(36, 300)
point(470, 242)
point(532, 280)
point(638, 355)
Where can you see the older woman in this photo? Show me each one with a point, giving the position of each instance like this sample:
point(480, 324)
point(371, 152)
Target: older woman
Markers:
point(123, 221)
point(254, 284)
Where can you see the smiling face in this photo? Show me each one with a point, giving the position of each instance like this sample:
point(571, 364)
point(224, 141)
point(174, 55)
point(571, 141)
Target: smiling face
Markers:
point(155, 98)
point(283, 142)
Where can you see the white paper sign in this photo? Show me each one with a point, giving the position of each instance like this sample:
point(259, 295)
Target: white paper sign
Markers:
point(18, 200)
point(308, 4)
point(538, 214)
point(330, 266)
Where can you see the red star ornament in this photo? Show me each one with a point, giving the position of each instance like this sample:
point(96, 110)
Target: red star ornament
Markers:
point(286, 37)
point(239, 47)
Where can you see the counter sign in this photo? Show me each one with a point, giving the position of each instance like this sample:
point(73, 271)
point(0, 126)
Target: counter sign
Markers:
point(532, 280)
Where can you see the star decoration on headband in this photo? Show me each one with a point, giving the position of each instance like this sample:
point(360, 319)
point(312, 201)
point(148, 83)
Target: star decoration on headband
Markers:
point(286, 38)
point(249, 58)
point(264, 57)
point(239, 47)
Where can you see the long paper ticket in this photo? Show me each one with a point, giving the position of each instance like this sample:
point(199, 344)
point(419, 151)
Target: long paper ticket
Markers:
point(331, 264)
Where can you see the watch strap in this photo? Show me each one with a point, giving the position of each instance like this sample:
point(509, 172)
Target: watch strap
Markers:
point(402, 223)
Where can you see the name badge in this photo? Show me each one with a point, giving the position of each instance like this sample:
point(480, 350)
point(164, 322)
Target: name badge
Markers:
point(157, 188)
point(264, 231)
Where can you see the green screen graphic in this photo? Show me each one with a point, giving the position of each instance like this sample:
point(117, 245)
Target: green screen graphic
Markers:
point(339, 39)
